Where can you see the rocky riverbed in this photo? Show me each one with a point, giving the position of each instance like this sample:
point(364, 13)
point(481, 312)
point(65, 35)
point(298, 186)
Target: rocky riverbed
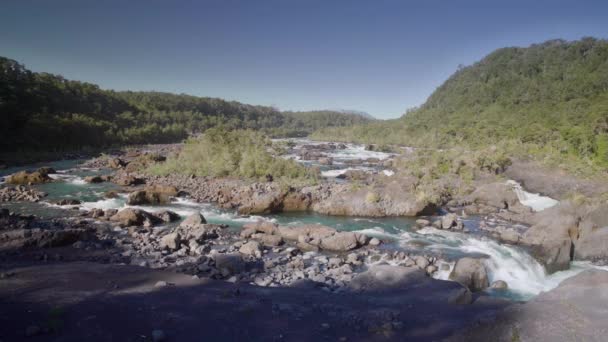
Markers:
point(494, 244)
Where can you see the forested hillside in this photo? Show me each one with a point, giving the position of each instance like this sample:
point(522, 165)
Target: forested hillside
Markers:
point(46, 111)
point(548, 99)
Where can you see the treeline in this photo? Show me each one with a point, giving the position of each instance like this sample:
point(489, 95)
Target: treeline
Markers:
point(48, 112)
point(549, 100)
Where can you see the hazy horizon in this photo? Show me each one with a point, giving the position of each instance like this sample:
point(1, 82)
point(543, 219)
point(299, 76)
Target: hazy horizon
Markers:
point(375, 57)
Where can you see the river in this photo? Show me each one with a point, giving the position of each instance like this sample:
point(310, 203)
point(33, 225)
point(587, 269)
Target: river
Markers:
point(524, 275)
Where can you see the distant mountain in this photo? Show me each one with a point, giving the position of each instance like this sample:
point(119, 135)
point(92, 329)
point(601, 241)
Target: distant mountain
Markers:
point(46, 111)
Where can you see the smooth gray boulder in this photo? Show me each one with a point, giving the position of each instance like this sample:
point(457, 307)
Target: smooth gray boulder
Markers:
point(471, 273)
point(193, 220)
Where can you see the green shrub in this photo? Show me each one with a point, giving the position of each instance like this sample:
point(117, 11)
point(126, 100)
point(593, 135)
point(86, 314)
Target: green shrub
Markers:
point(239, 153)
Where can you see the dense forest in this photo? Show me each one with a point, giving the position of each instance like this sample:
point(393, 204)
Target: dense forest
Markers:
point(549, 99)
point(48, 112)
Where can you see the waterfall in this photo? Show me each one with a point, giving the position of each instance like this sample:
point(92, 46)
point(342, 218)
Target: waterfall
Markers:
point(534, 201)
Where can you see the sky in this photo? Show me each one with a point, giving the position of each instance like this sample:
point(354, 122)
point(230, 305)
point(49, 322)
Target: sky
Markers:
point(381, 57)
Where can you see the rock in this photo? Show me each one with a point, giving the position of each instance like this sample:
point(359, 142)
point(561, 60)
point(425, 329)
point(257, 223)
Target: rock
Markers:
point(340, 242)
point(448, 221)
point(499, 285)
point(229, 263)
point(591, 239)
point(247, 233)
point(326, 161)
point(96, 213)
point(374, 242)
point(67, 201)
point(386, 277)
point(110, 194)
point(422, 262)
point(167, 216)
point(201, 232)
point(25, 178)
point(471, 273)
point(126, 179)
point(509, 236)
point(170, 241)
point(134, 217)
point(151, 195)
point(263, 227)
point(314, 232)
point(46, 170)
point(193, 220)
point(94, 179)
point(252, 248)
point(498, 195)
point(550, 238)
point(269, 240)
point(116, 163)
point(461, 296)
point(307, 247)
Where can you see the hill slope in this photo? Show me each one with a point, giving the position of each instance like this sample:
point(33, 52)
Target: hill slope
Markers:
point(552, 95)
point(46, 111)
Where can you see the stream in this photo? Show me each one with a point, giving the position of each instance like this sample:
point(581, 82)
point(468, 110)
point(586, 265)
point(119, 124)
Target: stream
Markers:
point(523, 274)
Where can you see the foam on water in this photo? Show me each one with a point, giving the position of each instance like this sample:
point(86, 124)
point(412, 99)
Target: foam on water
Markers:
point(534, 201)
point(525, 276)
point(378, 232)
point(388, 173)
point(68, 178)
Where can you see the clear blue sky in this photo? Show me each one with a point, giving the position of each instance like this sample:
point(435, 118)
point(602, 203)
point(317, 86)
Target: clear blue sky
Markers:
point(377, 56)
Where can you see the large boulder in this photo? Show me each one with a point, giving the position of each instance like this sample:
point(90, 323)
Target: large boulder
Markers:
point(167, 216)
point(471, 273)
point(126, 179)
point(498, 195)
point(340, 242)
point(152, 195)
point(551, 236)
point(193, 220)
point(199, 233)
point(251, 248)
point(264, 227)
point(591, 241)
point(386, 277)
point(268, 240)
point(25, 178)
point(397, 197)
point(170, 241)
point(134, 217)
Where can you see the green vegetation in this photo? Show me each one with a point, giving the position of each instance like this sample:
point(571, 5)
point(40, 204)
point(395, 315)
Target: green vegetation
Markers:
point(548, 101)
point(444, 174)
point(237, 153)
point(41, 111)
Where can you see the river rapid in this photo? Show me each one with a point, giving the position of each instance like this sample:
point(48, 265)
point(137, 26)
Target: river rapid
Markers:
point(523, 274)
